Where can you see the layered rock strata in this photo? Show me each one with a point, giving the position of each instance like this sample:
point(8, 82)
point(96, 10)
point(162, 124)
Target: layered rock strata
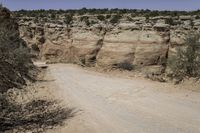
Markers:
point(144, 43)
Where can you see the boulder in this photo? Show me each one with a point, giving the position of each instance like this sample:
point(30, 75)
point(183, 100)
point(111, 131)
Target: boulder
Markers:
point(129, 26)
point(139, 18)
point(185, 17)
point(196, 22)
point(161, 27)
point(147, 26)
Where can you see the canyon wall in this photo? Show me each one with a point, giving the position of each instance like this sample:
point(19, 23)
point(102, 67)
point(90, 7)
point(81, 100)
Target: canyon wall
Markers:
point(142, 43)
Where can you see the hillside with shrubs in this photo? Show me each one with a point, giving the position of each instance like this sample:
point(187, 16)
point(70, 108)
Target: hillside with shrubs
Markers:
point(20, 109)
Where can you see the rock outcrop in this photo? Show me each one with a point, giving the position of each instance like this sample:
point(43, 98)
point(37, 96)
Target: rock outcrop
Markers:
point(141, 42)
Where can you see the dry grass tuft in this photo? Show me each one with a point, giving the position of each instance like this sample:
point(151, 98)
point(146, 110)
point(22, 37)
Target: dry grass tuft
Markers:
point(36, 116)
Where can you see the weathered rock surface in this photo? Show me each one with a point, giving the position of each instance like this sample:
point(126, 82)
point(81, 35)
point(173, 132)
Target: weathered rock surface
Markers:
point(142, 43)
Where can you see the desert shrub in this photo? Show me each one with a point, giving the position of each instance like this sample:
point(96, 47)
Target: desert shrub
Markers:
point(82, 11)
point(169, 21)
point(45, 19)
point(83, 18)
point(101, 17)
point(115, 19)
point(136, 12)
point(187, 60)
point(68, 19)
point(93, 22)
point(36, 115)
point(197, 17)
point(36, 20)
point(124, 66)
point(15, 58)
point(108, 16)
point(86, 20)
point(35, 47)
point(153, 13)
point(15, 66)
point(22, 62)
point(53, 16)
point(129, 19)
point(42, 15)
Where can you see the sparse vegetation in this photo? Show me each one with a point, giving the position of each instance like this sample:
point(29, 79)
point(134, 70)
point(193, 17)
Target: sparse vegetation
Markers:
point(129, 19)
point(86, 20)
point(85, 11)
point(169, 21)
point(124, 65)
point(187, 60)
point(16, 68)
point(93, 22)
point(115, 19)
point(108, 16)
point(37, 115)
point(35, 47)
point(53, 16)
point(68, 19)
point(101, 17)
point(15, 55)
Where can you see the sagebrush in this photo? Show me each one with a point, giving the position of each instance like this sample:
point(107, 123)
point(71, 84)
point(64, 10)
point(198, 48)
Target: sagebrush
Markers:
point(186, 63)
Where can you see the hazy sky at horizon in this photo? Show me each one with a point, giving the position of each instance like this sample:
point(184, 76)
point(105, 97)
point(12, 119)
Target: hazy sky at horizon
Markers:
point(77, 4)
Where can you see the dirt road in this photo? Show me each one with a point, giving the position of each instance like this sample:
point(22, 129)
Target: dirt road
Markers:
point(119, 105)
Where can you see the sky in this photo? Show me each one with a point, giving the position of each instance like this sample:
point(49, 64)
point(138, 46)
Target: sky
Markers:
point(77, 4)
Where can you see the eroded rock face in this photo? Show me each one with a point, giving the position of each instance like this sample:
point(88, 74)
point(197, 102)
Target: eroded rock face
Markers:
point(57, 41)
point(142, 43)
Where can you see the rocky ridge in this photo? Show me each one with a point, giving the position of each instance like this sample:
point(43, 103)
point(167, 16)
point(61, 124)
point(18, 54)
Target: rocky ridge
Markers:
point(143, 43)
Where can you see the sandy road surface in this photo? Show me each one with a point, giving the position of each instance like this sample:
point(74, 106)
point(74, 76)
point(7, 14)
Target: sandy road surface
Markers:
point(119, 105)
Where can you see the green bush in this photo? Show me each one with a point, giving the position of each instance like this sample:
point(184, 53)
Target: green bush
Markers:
point(129, 19)
point(86, 20)
point(15, 65)
point(83, 18)
point(101, 17)
point(35, 47)
point(68, 19)
point(115, 19)
point(108, 16)
point(83, 11)
point(36, 20)
point(187, 60)
point(36, 115)
point(169, 21)
point(93, 22)
point(15, 59)
point(53, 16)
point(124, 65)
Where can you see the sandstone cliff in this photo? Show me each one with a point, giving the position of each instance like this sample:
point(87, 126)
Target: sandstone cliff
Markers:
point(144, 43)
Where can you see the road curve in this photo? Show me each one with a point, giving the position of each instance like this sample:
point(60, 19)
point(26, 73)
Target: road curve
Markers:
point(119, 105)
